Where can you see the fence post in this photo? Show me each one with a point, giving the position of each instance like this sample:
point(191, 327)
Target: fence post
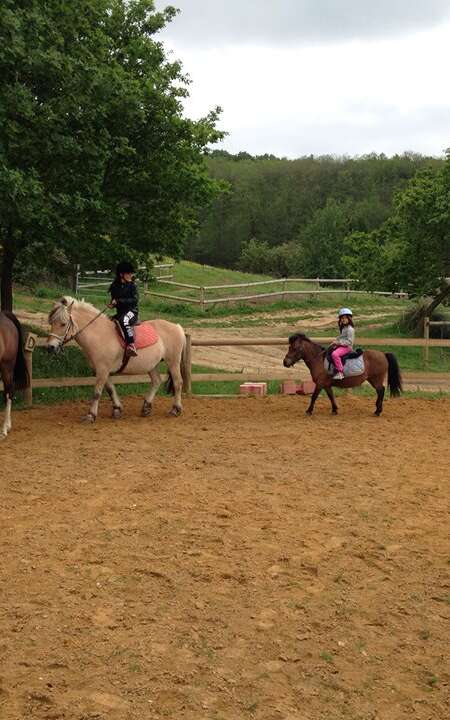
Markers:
point(426, 335)
point(202, 299)
point(188, 365)
point(283, 297)
point(76, 279)
point(29, 345)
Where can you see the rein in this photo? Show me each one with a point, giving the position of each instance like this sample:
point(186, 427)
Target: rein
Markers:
point(64, 339)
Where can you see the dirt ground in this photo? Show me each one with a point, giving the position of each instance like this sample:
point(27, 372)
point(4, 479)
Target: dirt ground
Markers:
point(241, 561)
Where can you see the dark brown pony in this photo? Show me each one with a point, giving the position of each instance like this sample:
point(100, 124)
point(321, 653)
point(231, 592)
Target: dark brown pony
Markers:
point(13, 369)
point(376, 366)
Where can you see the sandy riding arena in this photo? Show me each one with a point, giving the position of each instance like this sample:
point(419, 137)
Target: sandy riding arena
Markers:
point(242, 561)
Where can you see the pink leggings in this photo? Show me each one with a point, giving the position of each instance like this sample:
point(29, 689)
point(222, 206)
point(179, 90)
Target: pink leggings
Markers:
point(337, 354)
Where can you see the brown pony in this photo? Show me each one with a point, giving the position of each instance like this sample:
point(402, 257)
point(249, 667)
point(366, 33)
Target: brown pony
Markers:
point(13, 369)
point(377, 364)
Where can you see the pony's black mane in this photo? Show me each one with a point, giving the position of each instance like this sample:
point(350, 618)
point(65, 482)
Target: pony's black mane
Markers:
point(302, 336)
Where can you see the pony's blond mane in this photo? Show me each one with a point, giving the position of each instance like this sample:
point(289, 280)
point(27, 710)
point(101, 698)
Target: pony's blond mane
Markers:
point(60, 311)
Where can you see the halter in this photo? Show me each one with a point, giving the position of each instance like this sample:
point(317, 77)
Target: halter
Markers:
point(63, 339)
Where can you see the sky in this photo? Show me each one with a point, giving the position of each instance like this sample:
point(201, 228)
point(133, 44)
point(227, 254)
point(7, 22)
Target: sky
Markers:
point(301, 77)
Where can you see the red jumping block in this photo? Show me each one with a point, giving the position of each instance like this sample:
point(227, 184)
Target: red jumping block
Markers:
point(306, 387)
point(255, 388)
point(289, 387)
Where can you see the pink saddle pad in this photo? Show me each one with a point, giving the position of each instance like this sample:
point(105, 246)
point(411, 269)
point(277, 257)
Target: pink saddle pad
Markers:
point(144, 335)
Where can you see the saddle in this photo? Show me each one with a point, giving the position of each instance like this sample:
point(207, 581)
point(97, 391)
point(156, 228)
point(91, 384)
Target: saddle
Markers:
point(355, 366)
point(144, 334)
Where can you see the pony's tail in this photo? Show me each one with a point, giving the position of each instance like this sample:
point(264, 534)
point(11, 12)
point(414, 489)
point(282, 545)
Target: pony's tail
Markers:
point(169, 386)
point(394, 375)
point(21, 378)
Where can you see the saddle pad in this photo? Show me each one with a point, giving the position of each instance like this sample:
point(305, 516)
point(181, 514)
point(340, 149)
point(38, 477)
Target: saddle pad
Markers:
point(144, 335)
point(353, 366)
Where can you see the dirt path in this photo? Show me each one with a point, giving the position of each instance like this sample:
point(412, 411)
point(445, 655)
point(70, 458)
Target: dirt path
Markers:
point(242, 561)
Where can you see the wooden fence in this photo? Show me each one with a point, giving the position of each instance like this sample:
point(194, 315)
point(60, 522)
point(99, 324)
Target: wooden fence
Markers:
point(92, 280)
point(436, 380)
point(282, 293)
point(426, 332)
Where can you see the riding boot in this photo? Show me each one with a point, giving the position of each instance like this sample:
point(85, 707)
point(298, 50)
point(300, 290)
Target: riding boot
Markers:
point(130, 350)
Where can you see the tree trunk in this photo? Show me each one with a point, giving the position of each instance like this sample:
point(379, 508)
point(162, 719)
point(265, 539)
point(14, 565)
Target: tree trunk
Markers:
point(440, 297)
point(7, 273)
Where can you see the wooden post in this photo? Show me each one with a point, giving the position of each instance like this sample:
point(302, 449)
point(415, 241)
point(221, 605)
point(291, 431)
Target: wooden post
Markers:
point(426, 335)
point(283, 297)
point(188, 366)
point(29, 345)
point(202, 299)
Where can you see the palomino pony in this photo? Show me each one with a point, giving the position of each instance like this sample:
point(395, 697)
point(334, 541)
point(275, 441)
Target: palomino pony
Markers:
point(98, 338)
point(13, 369)
point(376, 365)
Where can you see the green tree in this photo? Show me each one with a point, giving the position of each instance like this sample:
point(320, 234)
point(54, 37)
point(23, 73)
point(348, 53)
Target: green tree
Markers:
point(95, 154)
point(411, 250)
point(418, 231)
point(322, 240)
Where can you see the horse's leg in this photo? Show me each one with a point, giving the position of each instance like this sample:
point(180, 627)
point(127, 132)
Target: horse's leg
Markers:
point(101, 377)
point(314, 397)
point(334, 407)
point(116, 403)
point(7, 376)
point(377, 384)
point(155, 378)
point(175, 371)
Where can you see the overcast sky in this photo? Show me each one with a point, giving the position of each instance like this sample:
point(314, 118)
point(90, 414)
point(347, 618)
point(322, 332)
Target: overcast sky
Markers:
point(296, 77)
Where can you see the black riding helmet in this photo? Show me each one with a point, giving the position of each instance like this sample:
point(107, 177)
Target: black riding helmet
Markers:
point(124, 267)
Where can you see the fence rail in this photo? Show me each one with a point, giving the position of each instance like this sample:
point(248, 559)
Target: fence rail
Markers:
point(284, 292)
point(103, 278)
point(435, 380)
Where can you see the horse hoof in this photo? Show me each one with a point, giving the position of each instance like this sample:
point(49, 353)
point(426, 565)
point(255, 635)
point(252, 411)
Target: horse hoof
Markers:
point(146, 409)
point(117, 413)
point(175, 411)
point(308, 412)
point(3, 436)
point(334, 412)
point(88, 419)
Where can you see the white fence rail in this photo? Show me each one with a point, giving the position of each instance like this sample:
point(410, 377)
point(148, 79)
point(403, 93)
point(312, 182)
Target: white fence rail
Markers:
point(89, 280)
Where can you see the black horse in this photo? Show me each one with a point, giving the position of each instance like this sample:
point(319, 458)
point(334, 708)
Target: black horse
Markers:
point(13, 369)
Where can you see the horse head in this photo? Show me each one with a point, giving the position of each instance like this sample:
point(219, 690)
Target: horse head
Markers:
point(296, 348)
point(61, 324)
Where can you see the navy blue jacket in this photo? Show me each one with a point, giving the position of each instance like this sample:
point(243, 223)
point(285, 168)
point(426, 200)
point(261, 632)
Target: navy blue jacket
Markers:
point(126, 296)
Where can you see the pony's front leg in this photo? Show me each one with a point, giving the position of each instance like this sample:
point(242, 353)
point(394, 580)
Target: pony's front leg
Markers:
point(314, 397)
point(100, 380)
point(117, 405)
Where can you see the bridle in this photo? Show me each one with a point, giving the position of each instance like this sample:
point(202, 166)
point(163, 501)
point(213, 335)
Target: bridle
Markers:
point(299, 357)
point(63, 339)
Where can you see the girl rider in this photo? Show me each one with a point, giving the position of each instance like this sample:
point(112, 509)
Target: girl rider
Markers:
point(344, 343)
point(125, 299)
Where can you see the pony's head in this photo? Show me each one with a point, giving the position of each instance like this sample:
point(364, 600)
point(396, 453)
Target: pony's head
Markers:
point(295, 351)
point(61, 323)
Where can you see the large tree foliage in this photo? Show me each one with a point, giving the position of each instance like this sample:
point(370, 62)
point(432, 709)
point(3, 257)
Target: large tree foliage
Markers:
point(411, 250)
point(95, 153)
point(308, 201)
